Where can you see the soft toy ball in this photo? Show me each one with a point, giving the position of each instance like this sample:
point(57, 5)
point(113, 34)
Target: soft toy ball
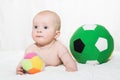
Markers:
point(32, 63)
point(91, 44)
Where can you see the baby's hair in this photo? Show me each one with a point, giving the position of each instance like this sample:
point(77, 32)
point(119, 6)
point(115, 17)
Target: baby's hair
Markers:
point(58, 21)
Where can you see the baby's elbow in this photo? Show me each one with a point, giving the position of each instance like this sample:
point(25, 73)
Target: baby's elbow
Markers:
point(74, 69)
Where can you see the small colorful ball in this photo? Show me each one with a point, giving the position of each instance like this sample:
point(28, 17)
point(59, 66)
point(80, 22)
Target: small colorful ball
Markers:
point(32, 63)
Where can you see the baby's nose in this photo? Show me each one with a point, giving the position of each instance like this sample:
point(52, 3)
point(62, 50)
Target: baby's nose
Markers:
point(39, 31)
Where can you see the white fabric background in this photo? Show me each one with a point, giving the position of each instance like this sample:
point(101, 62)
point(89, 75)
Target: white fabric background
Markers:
point(105, 71)
point(16, 19)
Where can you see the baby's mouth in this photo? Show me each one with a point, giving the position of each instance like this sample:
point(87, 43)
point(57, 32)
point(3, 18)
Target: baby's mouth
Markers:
point(39, 36)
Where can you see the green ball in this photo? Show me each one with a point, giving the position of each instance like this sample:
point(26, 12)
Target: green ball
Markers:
point(91, 43)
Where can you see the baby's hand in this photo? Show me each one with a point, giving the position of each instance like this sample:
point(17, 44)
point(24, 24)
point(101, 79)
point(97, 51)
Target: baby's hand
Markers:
point(20, 70)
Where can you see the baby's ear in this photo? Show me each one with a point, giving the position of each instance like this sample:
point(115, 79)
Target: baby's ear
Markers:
point(57, 34)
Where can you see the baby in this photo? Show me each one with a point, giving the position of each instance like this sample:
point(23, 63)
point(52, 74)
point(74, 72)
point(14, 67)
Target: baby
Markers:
point(45, 31)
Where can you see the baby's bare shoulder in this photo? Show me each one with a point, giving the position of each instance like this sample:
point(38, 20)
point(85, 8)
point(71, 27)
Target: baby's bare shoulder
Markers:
point(30, 48)
point(59, 44)
point(61, 47)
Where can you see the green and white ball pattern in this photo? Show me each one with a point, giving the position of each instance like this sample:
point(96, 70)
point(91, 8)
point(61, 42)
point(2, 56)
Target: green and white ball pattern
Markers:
point(92, 43)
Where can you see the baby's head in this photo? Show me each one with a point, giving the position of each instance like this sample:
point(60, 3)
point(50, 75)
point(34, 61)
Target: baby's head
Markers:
point(46, 27)
point(50, 16)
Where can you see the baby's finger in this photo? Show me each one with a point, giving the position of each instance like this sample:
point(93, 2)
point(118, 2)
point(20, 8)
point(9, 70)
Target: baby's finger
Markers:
point(19, 70)
point(21, 73)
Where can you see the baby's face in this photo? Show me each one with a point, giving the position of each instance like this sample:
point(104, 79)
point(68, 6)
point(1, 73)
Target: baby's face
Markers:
point(44, 29)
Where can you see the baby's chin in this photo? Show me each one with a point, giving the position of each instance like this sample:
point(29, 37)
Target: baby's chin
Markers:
point(40, 44)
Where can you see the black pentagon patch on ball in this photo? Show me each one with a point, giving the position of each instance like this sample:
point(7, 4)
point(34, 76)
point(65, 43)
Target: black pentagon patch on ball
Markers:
point(78, 45)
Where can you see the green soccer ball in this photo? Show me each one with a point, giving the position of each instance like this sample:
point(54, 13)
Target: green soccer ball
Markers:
point(91, 44)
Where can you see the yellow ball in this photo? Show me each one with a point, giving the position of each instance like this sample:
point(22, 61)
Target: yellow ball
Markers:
point(32, 63)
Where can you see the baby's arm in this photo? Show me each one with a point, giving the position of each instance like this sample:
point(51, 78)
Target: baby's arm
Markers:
point(19, 69)
point(67, 60)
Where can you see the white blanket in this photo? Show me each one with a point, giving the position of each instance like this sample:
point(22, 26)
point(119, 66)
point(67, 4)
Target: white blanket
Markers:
point(106, 71)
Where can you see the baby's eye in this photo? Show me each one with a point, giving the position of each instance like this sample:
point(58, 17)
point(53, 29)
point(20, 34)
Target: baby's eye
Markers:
point(35, 27)
point(45, 27)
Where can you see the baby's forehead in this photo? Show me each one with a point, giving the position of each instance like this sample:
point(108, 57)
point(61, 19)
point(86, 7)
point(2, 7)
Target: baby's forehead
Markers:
point(46, 17)
point(48, 14)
